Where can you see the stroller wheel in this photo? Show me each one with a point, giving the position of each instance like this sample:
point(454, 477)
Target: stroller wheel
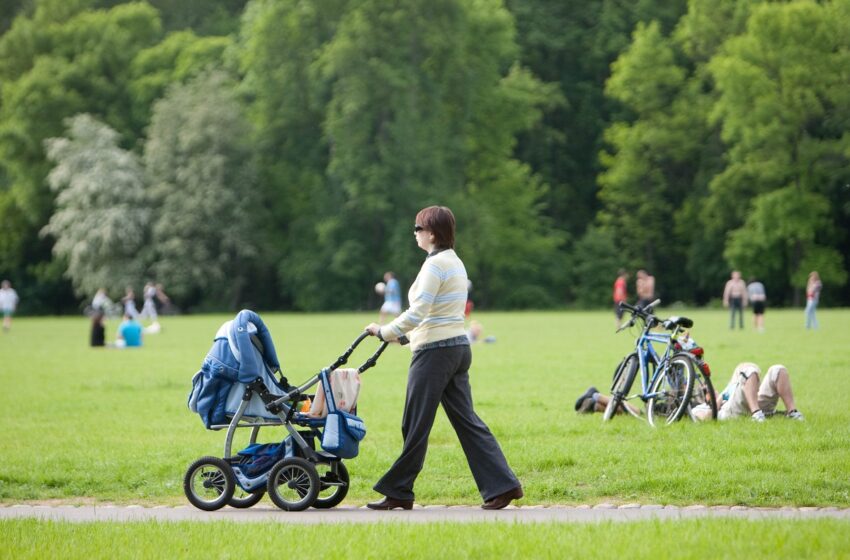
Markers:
point(243, 499)
point(209, 483)
point(293, 484)
point(334, 484)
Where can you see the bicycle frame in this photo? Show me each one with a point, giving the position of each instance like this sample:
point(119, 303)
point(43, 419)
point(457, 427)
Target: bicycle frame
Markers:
point(646, 355)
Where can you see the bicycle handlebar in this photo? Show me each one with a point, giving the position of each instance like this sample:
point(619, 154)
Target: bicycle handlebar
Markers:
point(644, 313)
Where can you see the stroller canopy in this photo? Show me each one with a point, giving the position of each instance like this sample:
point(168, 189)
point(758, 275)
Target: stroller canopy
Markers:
point(242, 351)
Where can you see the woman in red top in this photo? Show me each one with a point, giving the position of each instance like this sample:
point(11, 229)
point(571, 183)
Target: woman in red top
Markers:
point(620, 294)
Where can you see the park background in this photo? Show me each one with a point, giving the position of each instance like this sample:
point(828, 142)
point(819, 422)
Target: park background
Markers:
point(272, 154)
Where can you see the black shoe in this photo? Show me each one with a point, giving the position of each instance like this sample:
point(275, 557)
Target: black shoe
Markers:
point(502, 500)
point(588, 393)
point(391, 503)
point(588, 406)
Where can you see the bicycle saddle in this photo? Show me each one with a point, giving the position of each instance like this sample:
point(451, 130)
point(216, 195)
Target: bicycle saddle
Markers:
point(683, 322)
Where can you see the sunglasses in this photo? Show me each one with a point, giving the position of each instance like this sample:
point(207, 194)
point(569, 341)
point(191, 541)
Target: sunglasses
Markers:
point(418, 228)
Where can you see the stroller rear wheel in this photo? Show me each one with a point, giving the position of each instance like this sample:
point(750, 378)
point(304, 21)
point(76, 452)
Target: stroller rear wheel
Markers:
point(334, 484)
point(293, 484)
point(243, 499)
point(209, 483)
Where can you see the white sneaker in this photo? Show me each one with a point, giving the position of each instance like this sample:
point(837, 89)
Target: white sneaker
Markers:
point(758, 416)
point(795, 415)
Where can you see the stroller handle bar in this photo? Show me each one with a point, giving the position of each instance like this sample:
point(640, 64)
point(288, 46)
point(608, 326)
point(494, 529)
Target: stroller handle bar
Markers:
point(342, 360)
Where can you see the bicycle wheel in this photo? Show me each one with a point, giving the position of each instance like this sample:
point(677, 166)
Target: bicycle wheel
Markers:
point(624, 376)
point(671, 391)
point(703, 394)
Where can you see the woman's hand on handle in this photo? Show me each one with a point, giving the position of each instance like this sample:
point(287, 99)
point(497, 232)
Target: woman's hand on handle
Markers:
point(373, 329)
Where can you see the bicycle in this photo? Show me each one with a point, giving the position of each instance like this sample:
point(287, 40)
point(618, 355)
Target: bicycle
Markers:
point(667, 379)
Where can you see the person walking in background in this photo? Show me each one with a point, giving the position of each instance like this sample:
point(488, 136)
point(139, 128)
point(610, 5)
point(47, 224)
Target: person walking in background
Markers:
point(392, 297)
point(164, 300)
point(813, 288)
point(8, 303)
point(149, 306)
point(620, 294)
point(735, 298)
point(758, 299)
point(129, 301)
point(439, 373)
point(98, 330)
point(101, 301)
point(645, 288)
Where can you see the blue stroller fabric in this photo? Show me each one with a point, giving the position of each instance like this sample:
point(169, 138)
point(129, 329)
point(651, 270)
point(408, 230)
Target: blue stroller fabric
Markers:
point(258, 458)
point(233, 361)
point(343, 431)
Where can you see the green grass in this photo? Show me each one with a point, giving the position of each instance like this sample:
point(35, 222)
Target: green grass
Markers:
point(100, 425)
point(699, 538)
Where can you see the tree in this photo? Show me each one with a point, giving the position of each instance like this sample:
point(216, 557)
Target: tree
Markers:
point(178, 58)
point(784, 110)
point(783, 237)
point(207, 229)
point(410, 126)
point(280, 44)
point(102, 208)
point(649, 167)
point(61, 61)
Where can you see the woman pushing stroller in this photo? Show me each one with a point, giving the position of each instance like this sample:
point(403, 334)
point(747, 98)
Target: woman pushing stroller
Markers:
point(439, 373)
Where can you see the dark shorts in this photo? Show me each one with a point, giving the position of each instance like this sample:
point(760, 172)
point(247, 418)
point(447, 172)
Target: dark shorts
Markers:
point(758, 308)
point(618, 311)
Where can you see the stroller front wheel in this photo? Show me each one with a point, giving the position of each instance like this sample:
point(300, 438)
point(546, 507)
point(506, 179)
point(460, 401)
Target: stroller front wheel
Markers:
point(293, 484)
point(334, 480)
point(209, 483)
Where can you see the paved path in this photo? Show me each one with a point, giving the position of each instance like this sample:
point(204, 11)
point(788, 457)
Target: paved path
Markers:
point(466, 514)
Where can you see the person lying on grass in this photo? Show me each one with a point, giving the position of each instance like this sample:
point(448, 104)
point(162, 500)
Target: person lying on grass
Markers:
point(743, 396)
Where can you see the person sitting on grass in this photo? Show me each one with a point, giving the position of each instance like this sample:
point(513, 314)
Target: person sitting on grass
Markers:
point(746, 396)
point(129, 333)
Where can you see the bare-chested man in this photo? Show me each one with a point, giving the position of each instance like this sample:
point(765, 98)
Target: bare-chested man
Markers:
point(644, 287)
point(735, 298)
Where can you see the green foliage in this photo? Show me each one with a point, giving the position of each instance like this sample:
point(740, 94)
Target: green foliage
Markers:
point(207, 225)
point(644, 185)
point(780, 239)
point(673, 128)
point(784, 112)
point(279, 48)
point(102, 207)
point(180, 56)
point(62, 61)
point(596, 260)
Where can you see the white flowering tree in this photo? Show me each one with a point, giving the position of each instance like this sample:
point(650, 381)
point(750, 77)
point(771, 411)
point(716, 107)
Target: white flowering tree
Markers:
point(102, 216)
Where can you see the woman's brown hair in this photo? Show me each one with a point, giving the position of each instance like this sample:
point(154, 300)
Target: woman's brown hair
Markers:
point(440, 221)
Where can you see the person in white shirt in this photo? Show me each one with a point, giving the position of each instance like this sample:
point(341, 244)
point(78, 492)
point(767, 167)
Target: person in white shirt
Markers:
point(8, 303)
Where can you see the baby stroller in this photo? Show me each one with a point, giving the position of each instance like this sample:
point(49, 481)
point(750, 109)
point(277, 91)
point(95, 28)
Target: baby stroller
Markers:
point(237, 388)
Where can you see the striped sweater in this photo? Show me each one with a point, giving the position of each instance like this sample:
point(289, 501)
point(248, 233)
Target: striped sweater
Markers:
point(437, 301)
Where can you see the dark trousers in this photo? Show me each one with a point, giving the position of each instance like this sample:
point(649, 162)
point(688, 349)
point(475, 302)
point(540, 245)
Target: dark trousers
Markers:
point(441, 376)
point(736, 306)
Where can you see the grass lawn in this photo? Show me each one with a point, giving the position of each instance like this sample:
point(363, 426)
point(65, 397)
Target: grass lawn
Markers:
point(103, 425)
point(702, 538)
